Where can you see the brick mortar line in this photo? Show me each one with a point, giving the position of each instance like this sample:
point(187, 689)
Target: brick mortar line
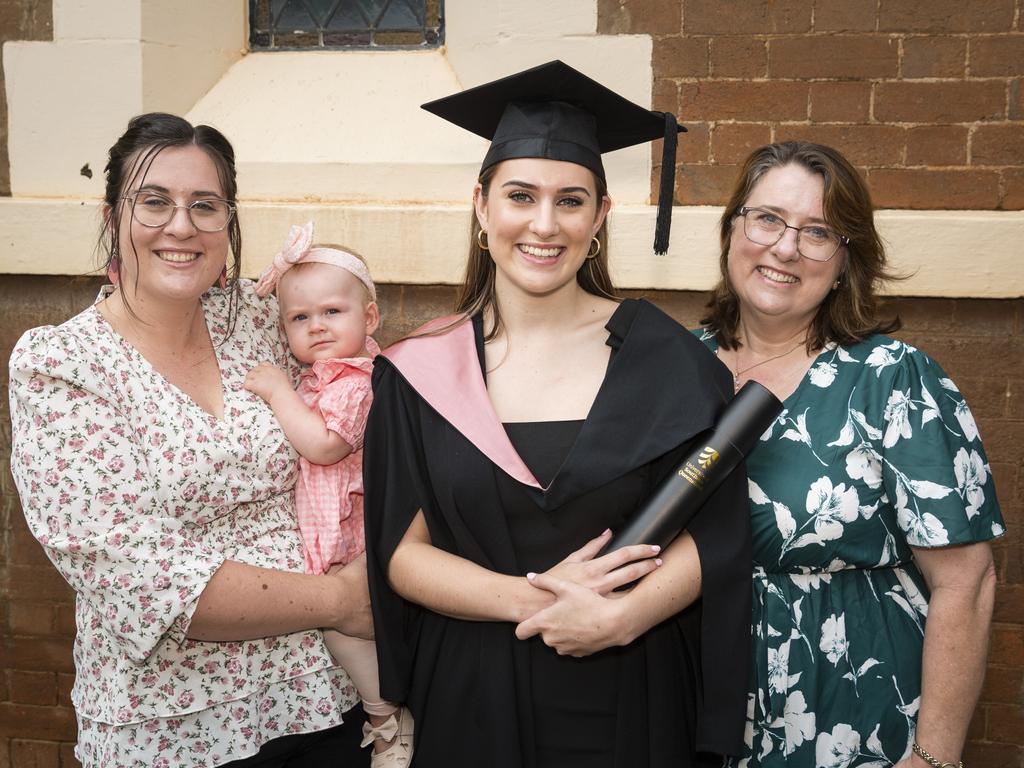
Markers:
point(876, 32)
point(852, 34)
point(711, 163)
point(859, 34)
point(908, 125)
point(698, 79)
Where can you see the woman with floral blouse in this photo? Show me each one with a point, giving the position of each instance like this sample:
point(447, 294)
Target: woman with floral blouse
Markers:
point(162, 490)
point(872, 501)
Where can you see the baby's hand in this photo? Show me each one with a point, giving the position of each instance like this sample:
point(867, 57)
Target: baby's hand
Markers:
point(265, 380)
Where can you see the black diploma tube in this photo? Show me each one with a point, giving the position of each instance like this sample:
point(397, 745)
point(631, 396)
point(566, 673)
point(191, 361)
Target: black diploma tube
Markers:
point(678, 498)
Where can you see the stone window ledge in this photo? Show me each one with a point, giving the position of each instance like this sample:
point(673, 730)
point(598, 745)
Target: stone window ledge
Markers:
point(426, 244)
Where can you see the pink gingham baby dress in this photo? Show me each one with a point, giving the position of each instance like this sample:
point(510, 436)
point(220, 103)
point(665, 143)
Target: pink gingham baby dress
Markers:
point(329, 499)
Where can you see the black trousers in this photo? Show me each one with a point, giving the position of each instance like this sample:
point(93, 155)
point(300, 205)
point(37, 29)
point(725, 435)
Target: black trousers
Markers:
point(335, 746)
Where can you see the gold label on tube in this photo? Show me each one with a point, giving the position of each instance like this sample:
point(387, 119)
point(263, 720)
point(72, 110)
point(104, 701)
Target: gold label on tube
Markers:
point(707, 457)
point(697, 475)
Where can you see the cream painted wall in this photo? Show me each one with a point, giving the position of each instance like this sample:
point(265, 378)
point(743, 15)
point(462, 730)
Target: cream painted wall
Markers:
point(338, 137)
point(357, 131)
point(349, 134)
point(426, 244)
point(67, 100)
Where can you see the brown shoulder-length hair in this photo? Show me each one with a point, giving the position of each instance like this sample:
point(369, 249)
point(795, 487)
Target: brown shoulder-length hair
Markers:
point(851, 312)
point(476, 294)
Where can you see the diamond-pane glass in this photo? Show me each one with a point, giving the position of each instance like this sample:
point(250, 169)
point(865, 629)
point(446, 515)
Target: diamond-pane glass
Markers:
point(291, 16)
point(304, 24)
point(352, 14)
point(401, 15)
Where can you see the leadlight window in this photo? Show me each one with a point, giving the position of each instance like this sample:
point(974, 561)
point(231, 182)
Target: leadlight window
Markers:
point(289, 25)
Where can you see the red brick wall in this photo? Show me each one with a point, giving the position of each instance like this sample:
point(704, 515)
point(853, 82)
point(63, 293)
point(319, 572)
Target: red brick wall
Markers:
point(37, 622)
point(924, 95)
point(979, 342)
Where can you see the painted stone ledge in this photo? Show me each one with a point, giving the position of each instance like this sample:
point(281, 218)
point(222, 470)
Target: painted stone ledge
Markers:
point(945, 253)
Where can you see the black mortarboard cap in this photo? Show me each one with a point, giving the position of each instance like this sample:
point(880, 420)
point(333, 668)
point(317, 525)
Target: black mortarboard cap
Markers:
point(558, 113)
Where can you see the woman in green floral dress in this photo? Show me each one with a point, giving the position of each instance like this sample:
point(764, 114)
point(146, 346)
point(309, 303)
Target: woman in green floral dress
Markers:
point(871, 496)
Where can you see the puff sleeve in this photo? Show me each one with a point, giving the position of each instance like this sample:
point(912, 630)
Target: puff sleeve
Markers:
point(90, 495)
point(934, 467)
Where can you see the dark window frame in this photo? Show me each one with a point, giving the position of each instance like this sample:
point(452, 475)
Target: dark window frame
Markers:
point(325, 32)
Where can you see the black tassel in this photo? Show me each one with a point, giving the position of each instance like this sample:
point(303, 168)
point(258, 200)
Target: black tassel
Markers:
point(667, 188)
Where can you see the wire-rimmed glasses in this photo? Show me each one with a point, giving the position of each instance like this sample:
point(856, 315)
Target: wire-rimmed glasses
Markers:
point(813, 241)
point(208, 214)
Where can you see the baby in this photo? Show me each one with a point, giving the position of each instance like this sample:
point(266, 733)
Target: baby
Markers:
point(328, 311)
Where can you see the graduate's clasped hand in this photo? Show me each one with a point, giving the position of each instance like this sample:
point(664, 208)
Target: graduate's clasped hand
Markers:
point(587, 616)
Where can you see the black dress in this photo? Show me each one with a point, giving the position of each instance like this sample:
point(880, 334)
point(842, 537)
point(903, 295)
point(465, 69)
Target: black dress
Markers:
point(574, 703)
point(674, 697)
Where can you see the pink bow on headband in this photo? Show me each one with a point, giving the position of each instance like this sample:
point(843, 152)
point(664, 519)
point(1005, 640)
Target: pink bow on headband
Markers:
point(296, 245)
point(297, 249)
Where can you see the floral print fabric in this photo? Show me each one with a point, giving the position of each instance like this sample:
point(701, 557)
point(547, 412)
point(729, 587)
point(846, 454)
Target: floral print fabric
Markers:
point(137, 496)
point(875, 452)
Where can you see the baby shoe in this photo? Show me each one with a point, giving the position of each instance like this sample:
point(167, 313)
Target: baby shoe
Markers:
point(397, 730)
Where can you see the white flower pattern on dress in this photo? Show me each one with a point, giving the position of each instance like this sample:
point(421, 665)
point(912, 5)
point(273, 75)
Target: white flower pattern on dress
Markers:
point(798, 722)
point(823, 374)
point(966, 419)
point(971, 475)
point(778, 668)
point(864, 463)
point(839, 748)
point(923, 528)
point(833, 638)
point(831, 507)
point(872, 455)
point(897, 418)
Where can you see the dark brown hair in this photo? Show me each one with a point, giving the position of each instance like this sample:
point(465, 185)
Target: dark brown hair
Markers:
point(129, 160)
point(851, 312)
point(476, 294)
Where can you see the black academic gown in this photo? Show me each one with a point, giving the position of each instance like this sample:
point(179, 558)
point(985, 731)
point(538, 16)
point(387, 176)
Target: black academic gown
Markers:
point(682, 685)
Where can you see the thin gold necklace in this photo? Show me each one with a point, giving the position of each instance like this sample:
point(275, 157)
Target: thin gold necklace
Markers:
point(739, 372)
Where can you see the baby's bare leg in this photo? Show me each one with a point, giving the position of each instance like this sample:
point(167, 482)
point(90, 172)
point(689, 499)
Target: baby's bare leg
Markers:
point(359, 659)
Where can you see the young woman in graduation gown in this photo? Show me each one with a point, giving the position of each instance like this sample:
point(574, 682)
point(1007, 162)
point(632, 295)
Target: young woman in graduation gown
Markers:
point(505, 441)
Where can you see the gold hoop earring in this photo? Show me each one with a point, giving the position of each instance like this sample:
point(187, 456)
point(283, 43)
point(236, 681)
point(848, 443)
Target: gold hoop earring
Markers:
point(481, 239)
point(595, 247)
point(595, 282)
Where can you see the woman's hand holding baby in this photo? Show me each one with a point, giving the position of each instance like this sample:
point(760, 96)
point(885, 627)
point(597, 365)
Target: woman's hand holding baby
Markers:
point(354, 618)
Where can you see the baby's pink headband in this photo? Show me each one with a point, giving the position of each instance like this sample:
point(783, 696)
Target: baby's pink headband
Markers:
point(297, 250)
